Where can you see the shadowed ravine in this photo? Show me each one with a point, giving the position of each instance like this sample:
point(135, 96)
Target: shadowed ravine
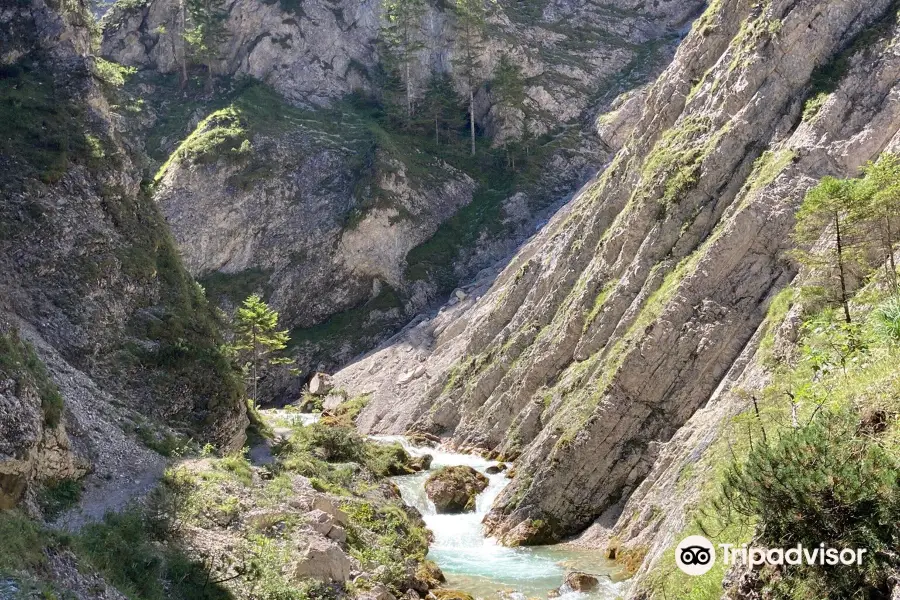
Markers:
point(481, 566)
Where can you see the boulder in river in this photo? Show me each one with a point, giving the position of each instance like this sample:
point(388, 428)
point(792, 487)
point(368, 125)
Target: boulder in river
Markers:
point(421, 463)
point(454, 489)
point(449, 595)
point(579, 581)
point(494, 469)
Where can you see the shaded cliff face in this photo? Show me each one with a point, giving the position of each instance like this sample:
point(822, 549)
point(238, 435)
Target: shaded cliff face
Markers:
point(365, 225)
point(89, 277)
point(623, 316)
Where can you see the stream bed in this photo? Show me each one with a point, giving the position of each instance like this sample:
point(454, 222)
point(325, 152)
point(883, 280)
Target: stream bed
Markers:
point(481, 566)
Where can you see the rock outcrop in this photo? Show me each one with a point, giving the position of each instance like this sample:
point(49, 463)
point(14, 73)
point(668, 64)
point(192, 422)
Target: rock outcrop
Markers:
point(89, 277)
point(34, 446)
point(321, 51)
point(455, 489)
point(625, 314)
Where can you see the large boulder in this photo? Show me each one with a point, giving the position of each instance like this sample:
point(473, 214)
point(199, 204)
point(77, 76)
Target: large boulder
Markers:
point(322, 559)
point(454, 489)
point(578, 581)
point(320, 384)
point(449, 595)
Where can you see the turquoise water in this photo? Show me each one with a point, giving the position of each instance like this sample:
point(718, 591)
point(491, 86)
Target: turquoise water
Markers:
point(480, 565)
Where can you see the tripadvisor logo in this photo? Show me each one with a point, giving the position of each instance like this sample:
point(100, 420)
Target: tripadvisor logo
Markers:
point(695, 555)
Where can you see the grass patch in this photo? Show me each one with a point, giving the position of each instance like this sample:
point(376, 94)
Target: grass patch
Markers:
point(56, 497)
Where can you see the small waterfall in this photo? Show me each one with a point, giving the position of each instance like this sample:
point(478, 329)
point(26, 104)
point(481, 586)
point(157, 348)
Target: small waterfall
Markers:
point(479, 565)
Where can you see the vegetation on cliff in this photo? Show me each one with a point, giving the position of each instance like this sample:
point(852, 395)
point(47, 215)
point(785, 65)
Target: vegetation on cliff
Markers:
point(814, 458)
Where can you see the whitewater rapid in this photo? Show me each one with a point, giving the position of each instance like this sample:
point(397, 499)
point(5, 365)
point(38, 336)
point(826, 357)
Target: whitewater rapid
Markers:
point(478, 564)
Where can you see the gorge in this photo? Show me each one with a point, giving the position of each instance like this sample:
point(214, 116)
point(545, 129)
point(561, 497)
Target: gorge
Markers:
point(641, 252)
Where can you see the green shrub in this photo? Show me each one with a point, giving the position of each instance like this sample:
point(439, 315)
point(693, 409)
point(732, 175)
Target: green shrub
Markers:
point(56, 497)
point(133, 552)
point(121, 548)
point(40, 127)
point(886, 320)
point(388, 460)
point(823, 482)
point(333, 443)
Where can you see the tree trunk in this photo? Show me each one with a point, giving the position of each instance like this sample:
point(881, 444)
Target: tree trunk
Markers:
point(409, 110)
point(840, 255)
point(209, 76)
point(890, 252)
point(255, 368)
point(472, 116)
point(184, 72)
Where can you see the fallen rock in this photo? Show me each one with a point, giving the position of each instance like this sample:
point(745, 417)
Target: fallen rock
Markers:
point(322, 559)
point(494, 469)
point(449, 595)
point(378, 592)
point(325, 505)
point(320, 384)
point(421, 463)
point(579, 581)
point(424, 439)
point(454, 489)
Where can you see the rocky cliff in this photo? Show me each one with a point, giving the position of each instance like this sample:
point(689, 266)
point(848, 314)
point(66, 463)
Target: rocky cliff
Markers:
point(592, 353)
point(101, 324)
point(335, 184)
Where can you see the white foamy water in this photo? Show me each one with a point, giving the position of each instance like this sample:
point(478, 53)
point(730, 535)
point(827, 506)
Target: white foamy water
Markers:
point(481, 566)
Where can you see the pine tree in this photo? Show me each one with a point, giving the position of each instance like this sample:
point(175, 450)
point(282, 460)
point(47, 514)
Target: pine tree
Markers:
point(879, 204)
point(401, 33)
point(830, 205)
point(508, 89)
point(207, 33)
point(257, 340)
point(470, 24)
point(440, 103)
point(508, 85)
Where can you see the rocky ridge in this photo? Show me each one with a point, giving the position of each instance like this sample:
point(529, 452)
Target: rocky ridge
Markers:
point(634, 305)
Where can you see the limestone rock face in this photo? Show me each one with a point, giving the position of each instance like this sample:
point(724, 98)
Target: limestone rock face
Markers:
point(89, 279)
point(320, 385)
point(320, 51)
point(625, 314)
point(343, 210)
point(455, 489)
point(30, 451)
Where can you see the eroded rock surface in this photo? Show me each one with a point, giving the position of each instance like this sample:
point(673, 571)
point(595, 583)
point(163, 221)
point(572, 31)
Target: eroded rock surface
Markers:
point(625, 314)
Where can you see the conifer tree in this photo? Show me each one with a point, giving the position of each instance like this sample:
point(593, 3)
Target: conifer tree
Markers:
point(401, 32)
point(830, 206)
point(470, 24)
point(207, 33)
point(257, 340)
point(508, 89)
point(880, 207)
point(441, 103)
